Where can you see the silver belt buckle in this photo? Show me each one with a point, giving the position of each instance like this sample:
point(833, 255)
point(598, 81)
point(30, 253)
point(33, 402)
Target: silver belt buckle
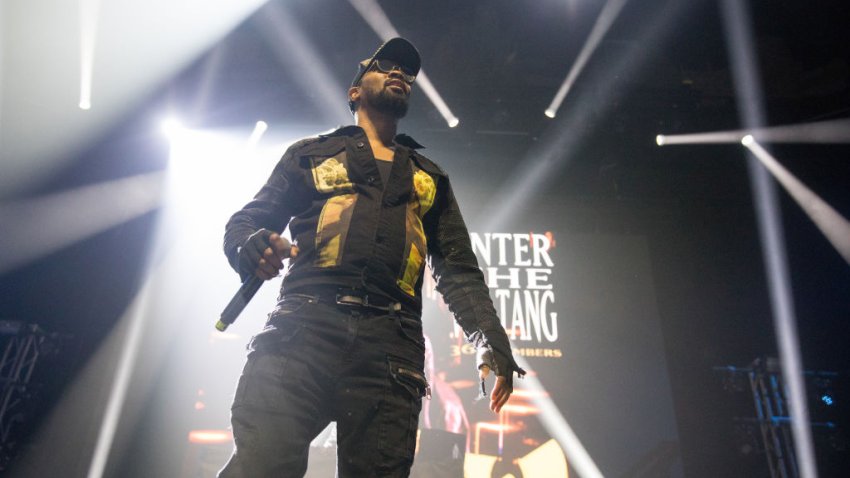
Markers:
point(355, 300)
point(347, 299)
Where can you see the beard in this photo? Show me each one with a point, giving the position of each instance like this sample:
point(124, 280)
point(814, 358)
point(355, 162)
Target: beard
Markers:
point(387, 101)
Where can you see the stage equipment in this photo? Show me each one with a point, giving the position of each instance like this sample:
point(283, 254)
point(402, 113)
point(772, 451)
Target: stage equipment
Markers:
point(770, 432)
point(21, 344)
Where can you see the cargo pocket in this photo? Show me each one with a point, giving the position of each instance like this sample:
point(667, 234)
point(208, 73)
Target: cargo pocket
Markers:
point(399, 415)
point(409, 377)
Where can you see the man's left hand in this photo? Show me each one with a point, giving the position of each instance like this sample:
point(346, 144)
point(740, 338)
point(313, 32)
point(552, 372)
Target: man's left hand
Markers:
point(500, 394)
point(501, 391)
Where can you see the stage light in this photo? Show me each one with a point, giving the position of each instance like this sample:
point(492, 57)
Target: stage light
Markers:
point(659, 140)
point(257, 133)
point(747, 140)
point(380, 23)
point(834, 131)
point(827, 400)
point(603, 23)
point(172, 128)
point(89, 13)
point(110, 55)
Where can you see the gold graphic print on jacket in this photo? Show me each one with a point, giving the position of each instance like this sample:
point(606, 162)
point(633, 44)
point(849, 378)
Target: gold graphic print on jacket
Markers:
point(331, 176)
point(420, 202)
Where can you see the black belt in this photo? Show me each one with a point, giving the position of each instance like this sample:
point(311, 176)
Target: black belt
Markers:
point(349, 298)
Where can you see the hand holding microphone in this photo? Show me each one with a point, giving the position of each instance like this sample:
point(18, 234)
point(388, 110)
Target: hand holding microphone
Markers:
point(260, 259)
point(263, 253)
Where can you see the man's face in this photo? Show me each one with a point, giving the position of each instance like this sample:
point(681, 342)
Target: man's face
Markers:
point(385, 92)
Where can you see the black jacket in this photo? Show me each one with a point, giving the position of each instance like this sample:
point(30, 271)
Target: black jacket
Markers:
point(354, 233)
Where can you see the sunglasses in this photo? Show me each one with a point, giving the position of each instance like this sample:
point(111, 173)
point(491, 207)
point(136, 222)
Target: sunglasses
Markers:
point(386, 66)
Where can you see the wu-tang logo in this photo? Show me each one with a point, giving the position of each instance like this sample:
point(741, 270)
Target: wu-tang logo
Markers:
point(545, 461)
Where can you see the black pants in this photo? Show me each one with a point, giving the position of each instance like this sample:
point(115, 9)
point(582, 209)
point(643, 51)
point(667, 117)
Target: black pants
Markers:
point(315, 363)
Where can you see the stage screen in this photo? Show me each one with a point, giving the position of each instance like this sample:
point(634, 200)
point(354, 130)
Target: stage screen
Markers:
point(580, 309)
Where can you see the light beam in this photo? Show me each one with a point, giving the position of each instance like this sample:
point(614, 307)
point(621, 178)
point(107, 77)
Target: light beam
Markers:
point(603, 23)
point(89, 12)
point(286, 38)
point(563, 138)
point(129, 351)
point(259, 129)
point(740, 48)
point(46, 224)
point(835, 131)
point(557, 426)
point(835, 227)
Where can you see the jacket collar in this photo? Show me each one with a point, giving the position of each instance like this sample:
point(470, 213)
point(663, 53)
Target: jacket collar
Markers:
point(403, 140)
point(353, 130)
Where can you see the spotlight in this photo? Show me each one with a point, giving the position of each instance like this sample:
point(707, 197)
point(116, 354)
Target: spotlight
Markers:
point(827, 399)
point(834, 131)
point(603, 23)
point(171, 128)
point(259, 129)
point(453, 122)
point(659, 140)
point(85, 105)
point(747, 140)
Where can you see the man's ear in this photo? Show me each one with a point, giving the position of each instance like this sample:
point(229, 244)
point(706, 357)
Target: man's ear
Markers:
point(354, 93)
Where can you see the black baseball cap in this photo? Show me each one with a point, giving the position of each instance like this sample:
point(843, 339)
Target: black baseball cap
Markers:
point(397, 49)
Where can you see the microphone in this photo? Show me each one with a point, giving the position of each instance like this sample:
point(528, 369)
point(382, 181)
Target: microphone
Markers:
point(238, 302)
point(242, 297)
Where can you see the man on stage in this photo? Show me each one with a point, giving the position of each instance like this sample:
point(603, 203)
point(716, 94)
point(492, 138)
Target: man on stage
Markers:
point(365, 210)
